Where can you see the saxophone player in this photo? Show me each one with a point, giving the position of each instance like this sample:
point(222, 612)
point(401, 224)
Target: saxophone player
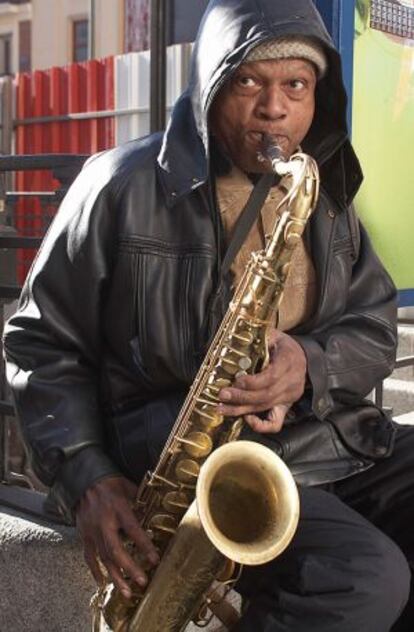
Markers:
point(118, 309)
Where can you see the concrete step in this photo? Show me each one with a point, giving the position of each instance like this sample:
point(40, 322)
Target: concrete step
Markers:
point(44, 583)
point(399, 395)
point(405, 348)
point(407, 419)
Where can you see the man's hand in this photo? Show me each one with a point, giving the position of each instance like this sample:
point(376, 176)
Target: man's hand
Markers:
point(274, 390)
point(103, 516)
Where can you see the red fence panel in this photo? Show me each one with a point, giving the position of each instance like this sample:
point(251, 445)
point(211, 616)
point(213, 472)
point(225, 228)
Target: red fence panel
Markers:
point(77, 88)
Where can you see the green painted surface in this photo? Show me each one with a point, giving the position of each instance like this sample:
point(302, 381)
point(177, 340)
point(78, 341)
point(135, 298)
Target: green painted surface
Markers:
point(383, 136)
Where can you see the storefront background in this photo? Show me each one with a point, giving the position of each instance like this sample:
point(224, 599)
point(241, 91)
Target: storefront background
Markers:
point(383, 136)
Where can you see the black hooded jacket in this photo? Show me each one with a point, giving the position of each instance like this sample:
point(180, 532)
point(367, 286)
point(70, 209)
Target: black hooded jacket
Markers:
point(116, 312)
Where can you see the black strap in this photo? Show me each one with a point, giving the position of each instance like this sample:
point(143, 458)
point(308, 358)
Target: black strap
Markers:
point(247, 218)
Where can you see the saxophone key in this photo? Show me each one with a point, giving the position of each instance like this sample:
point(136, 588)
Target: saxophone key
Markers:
point(187, 470)
point(208, 417)
point(228, 365)
point(196, 444)
point(219, 383)
point(176, 502)
point(244, 339)
point(245, 363)
point(163, 524)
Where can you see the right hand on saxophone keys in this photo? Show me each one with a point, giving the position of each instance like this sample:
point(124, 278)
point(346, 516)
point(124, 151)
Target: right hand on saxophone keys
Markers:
point(103, 517)
point(273, 390)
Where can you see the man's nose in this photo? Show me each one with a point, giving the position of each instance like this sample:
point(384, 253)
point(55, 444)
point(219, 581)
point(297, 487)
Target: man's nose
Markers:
point(272, 103)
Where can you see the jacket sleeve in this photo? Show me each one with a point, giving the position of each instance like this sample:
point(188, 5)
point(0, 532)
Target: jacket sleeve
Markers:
point(348, 357)
point(53, 343)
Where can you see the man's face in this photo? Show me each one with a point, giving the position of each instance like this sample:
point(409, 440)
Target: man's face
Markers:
point(275, 97)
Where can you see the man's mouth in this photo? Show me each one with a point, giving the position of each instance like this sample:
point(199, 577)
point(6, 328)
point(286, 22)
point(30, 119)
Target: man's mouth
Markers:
point(257, 138)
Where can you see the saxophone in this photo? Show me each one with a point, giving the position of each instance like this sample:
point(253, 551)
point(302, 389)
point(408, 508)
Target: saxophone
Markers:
point(213, 503)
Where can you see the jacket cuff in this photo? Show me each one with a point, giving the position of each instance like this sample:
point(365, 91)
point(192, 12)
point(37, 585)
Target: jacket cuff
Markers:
point(75, 476)
point(317, 374)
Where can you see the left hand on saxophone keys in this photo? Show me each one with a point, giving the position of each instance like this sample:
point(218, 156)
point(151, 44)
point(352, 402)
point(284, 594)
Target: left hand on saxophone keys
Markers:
point(273, 390)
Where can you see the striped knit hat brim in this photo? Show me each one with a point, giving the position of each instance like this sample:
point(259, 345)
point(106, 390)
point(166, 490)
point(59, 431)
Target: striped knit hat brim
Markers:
point(291, 47)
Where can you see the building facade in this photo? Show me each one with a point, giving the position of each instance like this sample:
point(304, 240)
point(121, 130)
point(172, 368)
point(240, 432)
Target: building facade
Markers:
point(61, 31)
point(15, 36)
point(39, 34)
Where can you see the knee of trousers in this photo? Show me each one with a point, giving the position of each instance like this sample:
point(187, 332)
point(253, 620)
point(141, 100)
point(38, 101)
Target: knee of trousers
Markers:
point(381, 579)
point(362, 585)
point(347, 574)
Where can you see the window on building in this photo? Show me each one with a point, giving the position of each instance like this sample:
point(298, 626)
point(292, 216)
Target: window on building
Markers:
point(80, 40)
point(25, 46)
point(5, 54)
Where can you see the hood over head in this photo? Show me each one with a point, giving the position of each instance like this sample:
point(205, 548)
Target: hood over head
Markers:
point(229, 31)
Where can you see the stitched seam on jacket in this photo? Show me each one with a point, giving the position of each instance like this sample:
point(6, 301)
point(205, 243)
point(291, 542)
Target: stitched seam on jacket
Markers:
point(376, 319)
point(184, 329)
point(362, 366)
point(165, 255)
point(149, 244)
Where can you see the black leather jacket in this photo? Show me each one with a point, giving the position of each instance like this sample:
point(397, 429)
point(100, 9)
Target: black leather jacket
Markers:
point(116, 313)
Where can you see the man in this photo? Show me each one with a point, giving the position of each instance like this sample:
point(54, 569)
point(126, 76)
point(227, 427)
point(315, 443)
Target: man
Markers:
point(124, 295)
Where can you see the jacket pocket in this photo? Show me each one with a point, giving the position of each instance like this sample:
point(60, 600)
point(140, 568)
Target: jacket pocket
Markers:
point(365, 429)
point(128, 445)
point(313, 451)
point(171, 285)
point(161, 416)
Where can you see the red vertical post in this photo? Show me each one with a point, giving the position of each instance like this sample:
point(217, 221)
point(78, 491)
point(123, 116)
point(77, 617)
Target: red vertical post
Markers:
point(110, 100)
point(42, 135)
point(23, 179)
point(92, 103)
point(74, 105)
point(57, 108)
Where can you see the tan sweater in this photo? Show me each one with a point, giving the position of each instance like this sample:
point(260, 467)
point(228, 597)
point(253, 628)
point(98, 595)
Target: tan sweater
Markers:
point(299, 297)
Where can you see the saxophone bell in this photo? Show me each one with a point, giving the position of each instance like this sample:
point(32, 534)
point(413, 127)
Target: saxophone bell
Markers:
point(246, 510)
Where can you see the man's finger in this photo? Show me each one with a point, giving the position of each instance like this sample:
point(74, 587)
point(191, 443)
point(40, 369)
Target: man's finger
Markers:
point(93, 564)
point(259, 381)
point(239, 397)
point(115, 554)
point(241, 411)
point(118, 579)
point(272, 424)
point(133, 530)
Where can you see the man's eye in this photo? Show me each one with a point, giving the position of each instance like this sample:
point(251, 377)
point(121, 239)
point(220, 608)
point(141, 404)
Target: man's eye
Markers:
point(297, 84)
point(246, 82)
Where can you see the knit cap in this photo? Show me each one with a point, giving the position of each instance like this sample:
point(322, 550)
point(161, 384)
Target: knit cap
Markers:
point(292, 46)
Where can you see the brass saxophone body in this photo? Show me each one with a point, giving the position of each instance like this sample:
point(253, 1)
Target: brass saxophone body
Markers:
point(209, 499)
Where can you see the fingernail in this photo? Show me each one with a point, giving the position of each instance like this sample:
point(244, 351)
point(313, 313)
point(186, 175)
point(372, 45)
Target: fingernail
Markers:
point(142, 581)
point(225, 395)
point(126, 593)
point(154, 559)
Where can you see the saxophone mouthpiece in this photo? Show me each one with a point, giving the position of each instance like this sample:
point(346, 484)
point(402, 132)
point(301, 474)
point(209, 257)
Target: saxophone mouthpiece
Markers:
point(271, 152)
point(270, 149)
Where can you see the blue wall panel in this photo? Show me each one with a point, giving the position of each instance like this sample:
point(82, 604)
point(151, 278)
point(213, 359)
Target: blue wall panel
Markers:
point(339, 17)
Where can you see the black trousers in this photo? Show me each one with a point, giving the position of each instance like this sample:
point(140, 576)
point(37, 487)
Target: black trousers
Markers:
point(348, 568)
